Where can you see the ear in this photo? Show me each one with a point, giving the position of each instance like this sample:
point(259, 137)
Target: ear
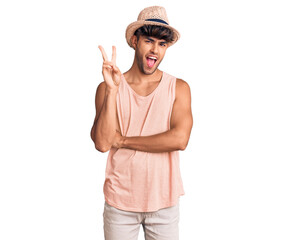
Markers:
point(134, 41)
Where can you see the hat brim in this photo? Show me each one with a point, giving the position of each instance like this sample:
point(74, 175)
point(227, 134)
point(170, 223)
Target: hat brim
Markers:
point(135, 25)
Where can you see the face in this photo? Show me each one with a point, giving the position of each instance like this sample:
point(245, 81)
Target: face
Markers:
point(149, 52)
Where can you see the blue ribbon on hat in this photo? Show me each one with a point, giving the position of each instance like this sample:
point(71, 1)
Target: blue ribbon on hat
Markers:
point(156, 20)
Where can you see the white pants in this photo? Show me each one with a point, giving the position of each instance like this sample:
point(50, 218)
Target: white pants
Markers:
point(125, 225)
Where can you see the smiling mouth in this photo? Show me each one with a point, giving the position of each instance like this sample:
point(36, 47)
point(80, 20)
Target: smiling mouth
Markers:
point(151, 61)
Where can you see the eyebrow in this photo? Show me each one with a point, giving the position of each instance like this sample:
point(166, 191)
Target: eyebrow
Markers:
point(152, 40)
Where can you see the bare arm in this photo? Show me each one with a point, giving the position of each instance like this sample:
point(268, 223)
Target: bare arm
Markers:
point(106, 124)
point(172, 140)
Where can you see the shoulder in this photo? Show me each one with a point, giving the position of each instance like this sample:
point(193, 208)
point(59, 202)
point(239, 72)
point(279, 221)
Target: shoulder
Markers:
point(100, 93)
point(182, 88)
point(182, 84)
point(101, 89)
point(101, 86)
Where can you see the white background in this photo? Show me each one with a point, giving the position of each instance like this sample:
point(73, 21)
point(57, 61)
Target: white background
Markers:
point(237, 57)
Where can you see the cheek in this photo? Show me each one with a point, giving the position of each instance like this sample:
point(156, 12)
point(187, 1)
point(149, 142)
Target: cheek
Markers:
point(162, 53)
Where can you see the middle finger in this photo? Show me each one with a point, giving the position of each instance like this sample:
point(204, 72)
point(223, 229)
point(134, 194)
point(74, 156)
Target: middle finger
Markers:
point(113, 58)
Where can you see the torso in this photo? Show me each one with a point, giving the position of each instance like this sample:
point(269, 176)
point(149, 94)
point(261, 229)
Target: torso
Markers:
point(136, 180)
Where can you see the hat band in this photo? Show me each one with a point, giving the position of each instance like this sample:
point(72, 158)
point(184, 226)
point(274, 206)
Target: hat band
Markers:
point(156, 20)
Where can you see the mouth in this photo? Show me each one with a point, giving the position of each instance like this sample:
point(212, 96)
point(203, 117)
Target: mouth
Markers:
point(151, 60)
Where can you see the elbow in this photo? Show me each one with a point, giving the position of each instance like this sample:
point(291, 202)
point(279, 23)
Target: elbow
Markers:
point(102, 149)
point(102, 146)
point(99, 145)
point(183, 143)
point(183, 140)
point(182, 146)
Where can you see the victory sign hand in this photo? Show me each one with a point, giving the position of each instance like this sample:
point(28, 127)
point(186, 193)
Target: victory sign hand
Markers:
point(110, 71)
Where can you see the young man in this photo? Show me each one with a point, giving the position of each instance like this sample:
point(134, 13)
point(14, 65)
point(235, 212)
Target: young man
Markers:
point(144, 118)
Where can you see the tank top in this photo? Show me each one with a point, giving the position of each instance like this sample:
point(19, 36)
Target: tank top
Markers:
point(143, 181)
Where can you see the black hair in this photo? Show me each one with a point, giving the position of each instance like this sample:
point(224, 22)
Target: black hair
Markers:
point(159, 32)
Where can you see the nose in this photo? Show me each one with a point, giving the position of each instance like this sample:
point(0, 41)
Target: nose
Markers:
point(154, 48)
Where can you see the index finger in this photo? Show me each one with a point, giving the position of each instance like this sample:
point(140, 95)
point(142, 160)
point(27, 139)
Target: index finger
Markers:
point(103, 53)
point(113, 58)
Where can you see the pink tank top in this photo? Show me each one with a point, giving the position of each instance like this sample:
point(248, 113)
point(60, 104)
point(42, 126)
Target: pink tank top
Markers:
point(143, 181)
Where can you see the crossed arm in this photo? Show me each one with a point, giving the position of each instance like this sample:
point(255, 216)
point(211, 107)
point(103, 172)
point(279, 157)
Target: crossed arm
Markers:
point(172, 140)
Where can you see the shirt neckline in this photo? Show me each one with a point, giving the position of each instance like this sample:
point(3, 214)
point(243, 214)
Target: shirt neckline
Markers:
point(150, 94)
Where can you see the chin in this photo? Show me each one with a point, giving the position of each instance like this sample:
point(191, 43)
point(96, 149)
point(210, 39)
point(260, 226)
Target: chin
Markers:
point(146, 70)
point(149, 71)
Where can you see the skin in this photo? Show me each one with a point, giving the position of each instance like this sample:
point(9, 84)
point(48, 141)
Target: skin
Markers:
point(143, 79)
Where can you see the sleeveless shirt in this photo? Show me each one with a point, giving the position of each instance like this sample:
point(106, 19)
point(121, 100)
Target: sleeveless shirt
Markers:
point(143, 181)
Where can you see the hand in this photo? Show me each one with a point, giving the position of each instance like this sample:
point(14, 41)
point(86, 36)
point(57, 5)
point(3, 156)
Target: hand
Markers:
point(118, 140)
point(110, 71)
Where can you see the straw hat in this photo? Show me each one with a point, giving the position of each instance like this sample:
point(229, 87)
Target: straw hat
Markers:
point(151, 16)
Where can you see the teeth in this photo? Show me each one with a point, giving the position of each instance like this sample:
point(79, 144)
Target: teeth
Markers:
point(152, 58)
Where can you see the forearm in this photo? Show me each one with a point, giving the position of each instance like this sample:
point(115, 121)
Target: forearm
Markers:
point(105, 127)
point(168, 141)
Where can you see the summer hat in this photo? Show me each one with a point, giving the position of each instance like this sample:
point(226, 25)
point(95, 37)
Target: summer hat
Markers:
point(154, 15)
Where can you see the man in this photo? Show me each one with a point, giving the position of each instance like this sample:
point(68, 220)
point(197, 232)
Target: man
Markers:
point(144, 118)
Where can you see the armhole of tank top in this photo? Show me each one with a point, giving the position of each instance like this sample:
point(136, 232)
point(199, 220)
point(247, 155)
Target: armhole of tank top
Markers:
point(118, 108)
point(174, 89)
point(173, 92)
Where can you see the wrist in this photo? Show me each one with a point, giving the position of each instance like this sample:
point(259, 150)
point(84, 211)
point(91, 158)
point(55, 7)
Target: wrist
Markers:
point(111, 91)
point(123, 142)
